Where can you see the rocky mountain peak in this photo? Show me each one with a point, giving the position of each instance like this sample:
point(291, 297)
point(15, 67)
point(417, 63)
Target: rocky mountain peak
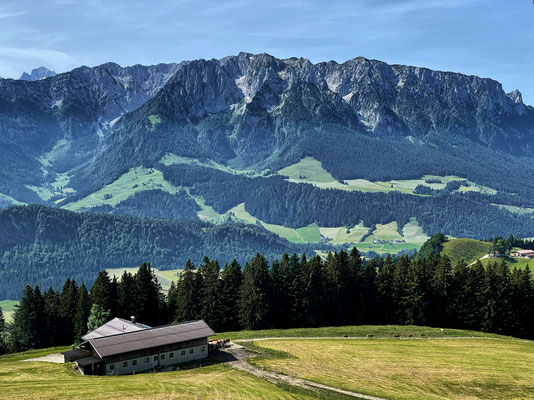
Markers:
point(37, 74)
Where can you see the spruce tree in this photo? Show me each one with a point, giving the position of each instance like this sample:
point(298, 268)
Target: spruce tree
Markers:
point(127, 296)
point(3, 347)
point(67, 311)
point(210, 301)
point(101, 291)
point(83, 308)
point(281, 280)
point(188, 294)
point(148, 296)
point(254, 301)
point(231, 280)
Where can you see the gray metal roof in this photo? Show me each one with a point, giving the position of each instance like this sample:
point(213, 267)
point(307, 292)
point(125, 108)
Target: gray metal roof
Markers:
point(75, 354)
point(88, 360)
point(154, 337)
point(115, 327)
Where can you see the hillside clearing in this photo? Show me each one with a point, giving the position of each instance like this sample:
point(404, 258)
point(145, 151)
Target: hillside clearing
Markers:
point(469, 250)
point(135, 180)
point(411, 369)
point(309, 170)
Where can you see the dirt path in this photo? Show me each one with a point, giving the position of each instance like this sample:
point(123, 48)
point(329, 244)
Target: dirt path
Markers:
point(236, 356)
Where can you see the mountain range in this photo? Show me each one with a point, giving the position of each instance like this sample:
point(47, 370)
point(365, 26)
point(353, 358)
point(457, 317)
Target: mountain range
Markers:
point(282, 143)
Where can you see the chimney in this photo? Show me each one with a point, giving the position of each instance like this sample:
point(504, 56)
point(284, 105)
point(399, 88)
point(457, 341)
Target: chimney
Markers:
point(133, 319)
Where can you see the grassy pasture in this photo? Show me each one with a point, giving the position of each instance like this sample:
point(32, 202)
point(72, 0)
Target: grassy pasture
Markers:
point(42, 381)
point(411, 369)
point(361, 331)
point(468, 249)
point(164, 277)
point(8, 308)
point(171, 159)
point(512, 262)
point(310, 170)
point(135, 180)
point(385, 232)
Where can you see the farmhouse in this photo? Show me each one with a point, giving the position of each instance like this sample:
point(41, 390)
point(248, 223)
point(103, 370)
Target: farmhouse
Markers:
point(523, 253)
point(142, 350)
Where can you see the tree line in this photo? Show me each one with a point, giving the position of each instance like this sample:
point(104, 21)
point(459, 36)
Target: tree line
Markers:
point(295, 291)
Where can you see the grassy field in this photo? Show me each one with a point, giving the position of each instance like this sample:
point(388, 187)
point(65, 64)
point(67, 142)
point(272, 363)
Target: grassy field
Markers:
point(516, 210)
point(171, 159)
point(411, 369)
point(379, 331)
point(310, 170)
point(8, 308)
point(385, 232)
point(468, 249)
point(135, 180)
point(42, 381)
point(164, 277)
point(413, 233)
point(519, 263)
point(289, 234)
point(342, 235)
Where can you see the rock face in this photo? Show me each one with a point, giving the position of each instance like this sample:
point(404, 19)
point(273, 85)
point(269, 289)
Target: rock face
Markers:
point(247, 110)
point(37, 74)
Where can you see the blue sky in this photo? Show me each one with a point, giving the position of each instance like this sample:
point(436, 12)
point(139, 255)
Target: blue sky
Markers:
point(489, 38)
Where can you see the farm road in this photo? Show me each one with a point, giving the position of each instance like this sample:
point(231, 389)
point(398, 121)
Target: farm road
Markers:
point(236, 356)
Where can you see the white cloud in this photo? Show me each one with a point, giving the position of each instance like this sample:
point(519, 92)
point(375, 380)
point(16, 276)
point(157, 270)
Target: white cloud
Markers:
point(11, 14)
point(14, 61)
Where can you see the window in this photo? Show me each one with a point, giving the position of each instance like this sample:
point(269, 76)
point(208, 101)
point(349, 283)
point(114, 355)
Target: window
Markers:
point(111, 366)
point(147, 359)
point(203, 348)
point(191, 351)
point(182, 352)
point(125, 364)
point(163, 356)
point(134, 362)
point(156, 358)
point(171, 355)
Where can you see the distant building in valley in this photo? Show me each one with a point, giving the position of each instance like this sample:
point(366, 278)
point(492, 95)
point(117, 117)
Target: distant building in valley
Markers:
point(523, 253)
point(141, 350)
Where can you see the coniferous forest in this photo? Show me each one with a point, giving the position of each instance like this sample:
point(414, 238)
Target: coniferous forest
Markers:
point(295, 291)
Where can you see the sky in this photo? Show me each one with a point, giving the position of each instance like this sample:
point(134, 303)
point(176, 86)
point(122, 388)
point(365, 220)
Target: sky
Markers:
point(489, 38)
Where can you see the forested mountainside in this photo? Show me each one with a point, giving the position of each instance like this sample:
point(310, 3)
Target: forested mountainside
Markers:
point(44, 245)
point(71, 135)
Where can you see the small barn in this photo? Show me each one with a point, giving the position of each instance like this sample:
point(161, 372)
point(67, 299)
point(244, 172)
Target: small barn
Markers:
point(142, 350)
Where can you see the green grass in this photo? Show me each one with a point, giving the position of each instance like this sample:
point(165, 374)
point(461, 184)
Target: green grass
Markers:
point(385, 232)
point(39, 380)
point(4, 198)
point(172, 159)
point(468, 249)
point(413, 233)
point(483, 368)
point(164, 277)
point(135, 180)
point(379, 331)
point(515, 209)
point(341, 235)
point(308, 170)
point(8, 308)
point(289, 234)
point(512, 262)
point(154, 120)
point(310, 233)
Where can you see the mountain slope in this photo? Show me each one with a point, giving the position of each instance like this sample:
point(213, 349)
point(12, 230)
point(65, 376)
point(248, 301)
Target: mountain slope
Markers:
point(45, 245)
point(71, 135)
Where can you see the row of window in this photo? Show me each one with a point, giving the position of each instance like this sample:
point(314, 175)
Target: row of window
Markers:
point(157, 357)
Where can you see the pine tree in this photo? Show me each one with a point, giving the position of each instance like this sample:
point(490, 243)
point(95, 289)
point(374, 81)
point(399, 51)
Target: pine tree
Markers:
point(253, 303)
point(28, 321)
point(231, 280)
point(127, 296)
point(280, 277)
point(97, 317)
point(101, 291)
point(52, 317)
point(67, 311)
point(83, 308)
point(188, 294)
point(148, 296)
point(210, 302)
point(441, 293)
